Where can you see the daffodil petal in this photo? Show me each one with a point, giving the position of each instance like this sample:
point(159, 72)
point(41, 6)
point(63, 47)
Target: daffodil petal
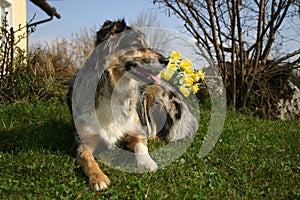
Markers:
point(185, 91)
point(185, 64)
point(201, 74)
point(195, 88)
point(188, 80)
point(172, 66)
point(175, 55)
point(166, 74)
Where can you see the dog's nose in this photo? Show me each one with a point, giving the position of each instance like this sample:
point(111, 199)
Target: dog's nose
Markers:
point(163, 60)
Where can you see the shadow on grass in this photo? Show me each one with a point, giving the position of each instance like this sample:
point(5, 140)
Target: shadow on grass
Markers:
point(52, 135)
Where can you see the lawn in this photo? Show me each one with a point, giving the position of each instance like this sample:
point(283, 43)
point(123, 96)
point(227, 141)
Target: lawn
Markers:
point(253, 159)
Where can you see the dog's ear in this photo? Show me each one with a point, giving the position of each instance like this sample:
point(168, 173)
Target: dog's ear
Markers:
point(104, 31)
point(110, 29)
point(120, 26)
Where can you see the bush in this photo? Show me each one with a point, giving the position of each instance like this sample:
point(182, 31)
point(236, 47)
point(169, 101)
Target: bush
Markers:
point(22, 79)
point(27, 82)
point(44, 73)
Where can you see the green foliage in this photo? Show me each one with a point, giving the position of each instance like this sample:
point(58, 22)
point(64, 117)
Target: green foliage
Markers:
point(254, 159)
point(25, 79)
point(28, 83)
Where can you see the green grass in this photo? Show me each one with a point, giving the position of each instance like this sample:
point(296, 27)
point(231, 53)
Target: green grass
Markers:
point(254, 159)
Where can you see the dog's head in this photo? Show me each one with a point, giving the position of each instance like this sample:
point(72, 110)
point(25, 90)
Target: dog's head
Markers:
point(109, 29)
point(131, 53)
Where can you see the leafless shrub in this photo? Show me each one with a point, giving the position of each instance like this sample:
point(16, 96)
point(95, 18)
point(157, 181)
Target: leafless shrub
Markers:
point(245, 39)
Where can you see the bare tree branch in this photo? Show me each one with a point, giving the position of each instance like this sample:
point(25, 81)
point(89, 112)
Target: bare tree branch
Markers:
point(240, 37)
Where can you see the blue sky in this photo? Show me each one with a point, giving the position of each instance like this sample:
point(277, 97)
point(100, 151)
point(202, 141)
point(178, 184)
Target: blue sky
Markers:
point(77, 14)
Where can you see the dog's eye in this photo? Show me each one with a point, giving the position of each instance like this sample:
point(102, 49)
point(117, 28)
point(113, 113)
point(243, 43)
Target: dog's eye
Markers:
point(130, 65)
point(127, 67)
point(163, 60)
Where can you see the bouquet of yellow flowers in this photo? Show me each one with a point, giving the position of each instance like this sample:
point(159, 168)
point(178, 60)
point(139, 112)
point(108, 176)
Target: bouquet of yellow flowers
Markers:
point(190, 78)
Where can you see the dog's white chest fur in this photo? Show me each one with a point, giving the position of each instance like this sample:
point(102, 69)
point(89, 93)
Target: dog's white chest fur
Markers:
point(116, 113)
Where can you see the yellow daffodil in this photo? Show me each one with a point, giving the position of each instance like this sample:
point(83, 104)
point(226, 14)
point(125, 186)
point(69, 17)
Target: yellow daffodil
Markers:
point(195, 77)
point(172, 65)
point(186, 80)
point(175, 55)
point(195, 88)
point(185, 64)
point(189, 81)
point(166, 74)
point(189, 71)
point(201, 74)
point(184, 90)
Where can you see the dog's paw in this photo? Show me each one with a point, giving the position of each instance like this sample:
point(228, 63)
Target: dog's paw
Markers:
point(143, 159)
point(99, 182)
point(145, 162)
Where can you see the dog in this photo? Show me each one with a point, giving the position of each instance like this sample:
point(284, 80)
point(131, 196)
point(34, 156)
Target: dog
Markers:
point(138, 98)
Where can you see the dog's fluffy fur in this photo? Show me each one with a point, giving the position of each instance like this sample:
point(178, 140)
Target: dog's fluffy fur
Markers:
point(134, 105)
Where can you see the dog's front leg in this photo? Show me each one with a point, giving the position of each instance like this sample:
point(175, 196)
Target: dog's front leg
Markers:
point(97, 179)
point(139, 146)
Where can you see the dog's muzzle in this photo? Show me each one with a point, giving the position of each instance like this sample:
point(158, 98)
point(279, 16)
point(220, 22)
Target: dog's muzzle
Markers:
point(147, 73)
